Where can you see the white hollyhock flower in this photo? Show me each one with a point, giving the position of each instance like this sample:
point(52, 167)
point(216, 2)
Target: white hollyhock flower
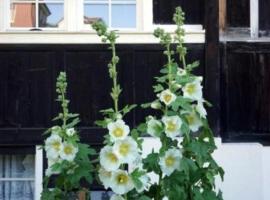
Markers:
point(108, 159)
point(70, 132)
point(172, 126)
point(193, 90)
point(165, 198)
point(145, 180)
point(116, 197)
point(194, 121)
point(167, 97)
point(118, 130)
point(105, 177)
point(53, 146)
point(68, 152)
point(126, 150)
point(200, 109)
point(170, 161)
point(121, 182)
point(153, 127)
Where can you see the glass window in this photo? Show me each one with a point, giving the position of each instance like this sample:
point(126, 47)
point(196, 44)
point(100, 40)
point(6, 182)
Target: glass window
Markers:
point(115, 13)
point(37, 13)
point(17, 176)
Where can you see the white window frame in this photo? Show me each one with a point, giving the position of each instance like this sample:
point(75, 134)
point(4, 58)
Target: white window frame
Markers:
point(37, 177)
point(7, 4)
point(74, 33)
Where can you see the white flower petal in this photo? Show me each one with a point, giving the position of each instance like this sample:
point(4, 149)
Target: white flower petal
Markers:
point(170, 161)
point(105, 177)
point(68, 152)
point(118, 130)
point(172, 126)
point(108, 159)
point(193, 90)
point(167, 97)
point(121, 182)
point(126, 150)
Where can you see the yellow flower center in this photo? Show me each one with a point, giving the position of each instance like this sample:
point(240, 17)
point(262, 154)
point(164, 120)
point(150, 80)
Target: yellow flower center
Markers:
point(191, 88)
point(68, 150)
point(122, 179)
point(170, 160)
point(167, 97)
point(112, 157)
point(56, 145)
point(124, 149)
point(190, 119)
point(118, 132)
point(171, 126)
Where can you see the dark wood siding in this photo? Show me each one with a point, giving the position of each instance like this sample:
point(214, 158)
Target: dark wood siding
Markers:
point(264, 6)
point(238, 13)
point(163, 11)
point(246, 92)
point(27, 85)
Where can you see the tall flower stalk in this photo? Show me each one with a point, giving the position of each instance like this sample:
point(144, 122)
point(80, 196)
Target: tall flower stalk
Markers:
point(120, 159)
point(68, 159)
point(184, 164)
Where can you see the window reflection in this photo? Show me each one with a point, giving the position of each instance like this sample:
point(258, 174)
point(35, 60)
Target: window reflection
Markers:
point(23, 14)
point(96, 12)
point(51, 15)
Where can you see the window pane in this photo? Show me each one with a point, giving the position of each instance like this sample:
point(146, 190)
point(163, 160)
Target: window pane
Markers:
point(51, 15)
point(94, 12)
point(15, 190)
point(17, 166)
point(123, 16)
point(22, 15)
point(12, 167)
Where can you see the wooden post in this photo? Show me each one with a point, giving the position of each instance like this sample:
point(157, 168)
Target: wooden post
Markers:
point(222, 14)
point(212, 72)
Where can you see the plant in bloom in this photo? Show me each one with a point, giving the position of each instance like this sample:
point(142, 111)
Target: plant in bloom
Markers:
point(68, 159)
point(184, 163)
point(120, 163)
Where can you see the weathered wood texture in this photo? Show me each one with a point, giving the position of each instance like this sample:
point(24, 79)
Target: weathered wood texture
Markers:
point(212, 63)
point(27, 85)
point(245, 92)
point(238, 13)
point(264, 7)
point(163, 11)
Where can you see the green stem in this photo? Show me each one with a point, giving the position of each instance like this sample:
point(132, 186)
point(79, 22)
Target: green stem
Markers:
point(169, 56)
point(115, 99)
point(64, 109)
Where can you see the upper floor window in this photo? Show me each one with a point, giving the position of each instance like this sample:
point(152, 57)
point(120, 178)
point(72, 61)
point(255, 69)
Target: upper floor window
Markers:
point(36, 14)
point(115, 13)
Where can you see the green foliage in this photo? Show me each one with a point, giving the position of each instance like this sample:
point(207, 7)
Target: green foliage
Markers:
point(69, 173)
point(195, 177)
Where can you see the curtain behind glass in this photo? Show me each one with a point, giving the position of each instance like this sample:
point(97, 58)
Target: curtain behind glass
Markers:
point(17, 166)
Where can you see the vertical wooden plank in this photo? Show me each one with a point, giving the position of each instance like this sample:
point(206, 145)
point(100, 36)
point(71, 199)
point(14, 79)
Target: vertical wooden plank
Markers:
point(222, 14)
point(254, 18)
point(212, 73)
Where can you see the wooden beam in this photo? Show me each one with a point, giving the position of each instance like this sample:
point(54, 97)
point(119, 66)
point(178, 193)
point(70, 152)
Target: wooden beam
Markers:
point(212, 72)
point(222, 14)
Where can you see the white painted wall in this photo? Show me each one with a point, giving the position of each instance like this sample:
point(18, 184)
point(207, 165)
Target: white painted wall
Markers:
point(246, 165)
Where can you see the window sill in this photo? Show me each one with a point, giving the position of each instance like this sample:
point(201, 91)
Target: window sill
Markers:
point(84, 37)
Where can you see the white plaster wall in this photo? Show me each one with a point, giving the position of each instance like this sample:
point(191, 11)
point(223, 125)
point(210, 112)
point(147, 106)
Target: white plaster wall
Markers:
point(246, 165)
